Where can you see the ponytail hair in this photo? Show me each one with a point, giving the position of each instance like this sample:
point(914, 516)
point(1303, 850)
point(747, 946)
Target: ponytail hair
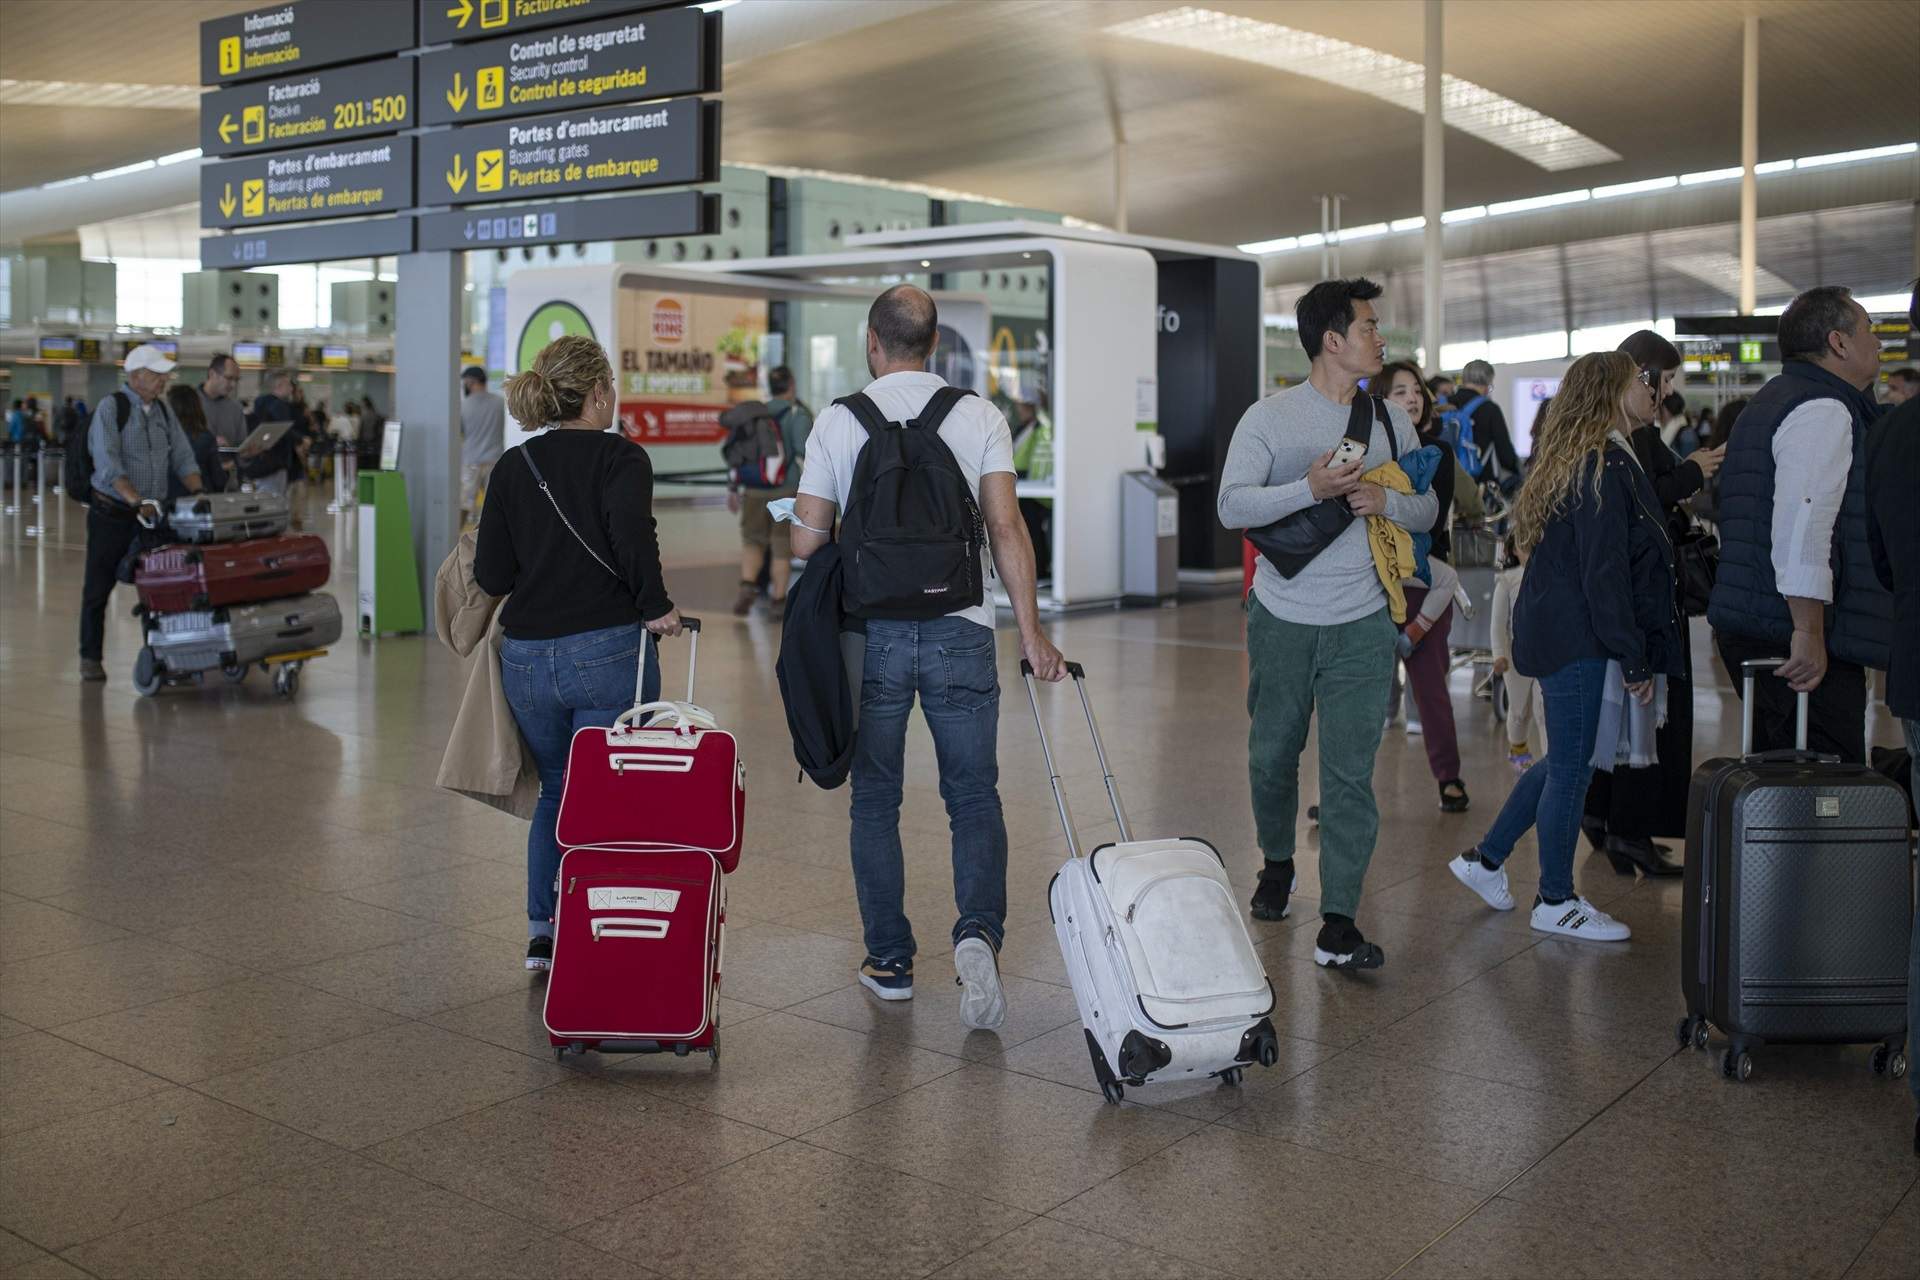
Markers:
point(555, 388)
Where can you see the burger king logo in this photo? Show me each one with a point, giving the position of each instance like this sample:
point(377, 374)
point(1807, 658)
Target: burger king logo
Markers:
point(669, 322)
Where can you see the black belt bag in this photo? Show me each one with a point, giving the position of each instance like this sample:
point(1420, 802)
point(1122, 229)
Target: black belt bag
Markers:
point(1291, 543)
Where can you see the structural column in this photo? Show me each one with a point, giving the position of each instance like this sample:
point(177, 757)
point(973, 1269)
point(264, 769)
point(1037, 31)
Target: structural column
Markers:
point(426, 358)
point(1433, 155)
point(1749, 160)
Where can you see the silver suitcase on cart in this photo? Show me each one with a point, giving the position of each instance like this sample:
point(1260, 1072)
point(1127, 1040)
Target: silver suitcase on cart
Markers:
point(1159, 957)
point(203, 639)
point(227, 517)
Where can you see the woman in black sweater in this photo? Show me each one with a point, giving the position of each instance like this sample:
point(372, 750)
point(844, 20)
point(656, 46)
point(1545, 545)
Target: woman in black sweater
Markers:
point(1627, 808)
point(567, 534)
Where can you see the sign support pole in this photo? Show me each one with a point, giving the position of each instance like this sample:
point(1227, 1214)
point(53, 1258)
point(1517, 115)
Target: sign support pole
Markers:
point(430, 306)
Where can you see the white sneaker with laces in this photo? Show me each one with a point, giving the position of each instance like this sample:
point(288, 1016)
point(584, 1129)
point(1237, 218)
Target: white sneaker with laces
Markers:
point(1489, 882)
point(1578, 918)
point(983, 1004)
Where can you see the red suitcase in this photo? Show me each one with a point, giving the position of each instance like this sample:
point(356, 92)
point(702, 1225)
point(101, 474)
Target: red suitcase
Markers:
point(177, 578)
point(677, 784)
point(636, 953)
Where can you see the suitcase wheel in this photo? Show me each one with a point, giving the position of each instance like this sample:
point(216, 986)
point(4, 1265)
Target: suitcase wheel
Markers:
point(235, 673)
point(1736, 1065)
point(1232, 1075)
point(1112, 1090)
point(1888, 1060)
point(1692, 1032)
point(148, 679)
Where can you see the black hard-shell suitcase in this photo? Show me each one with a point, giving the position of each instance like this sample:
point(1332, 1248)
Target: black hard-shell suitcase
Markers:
point(1798, 903)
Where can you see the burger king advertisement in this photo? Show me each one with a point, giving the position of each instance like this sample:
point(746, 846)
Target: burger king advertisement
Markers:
point(683, 359)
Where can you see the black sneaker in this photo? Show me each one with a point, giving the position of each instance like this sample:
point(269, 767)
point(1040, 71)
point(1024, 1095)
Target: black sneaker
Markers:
point(540, 954)
point(1271, 897)
point(888, 979)
point(1341, 946)
point(1453, 796)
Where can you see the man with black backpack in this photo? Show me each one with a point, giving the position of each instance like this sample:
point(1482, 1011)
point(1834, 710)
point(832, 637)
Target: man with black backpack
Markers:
point(1476, 427)
point(765, 449)
point(923, 473)
point(121, 466)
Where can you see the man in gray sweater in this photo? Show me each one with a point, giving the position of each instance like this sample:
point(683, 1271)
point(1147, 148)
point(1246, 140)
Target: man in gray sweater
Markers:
point(1322, 638)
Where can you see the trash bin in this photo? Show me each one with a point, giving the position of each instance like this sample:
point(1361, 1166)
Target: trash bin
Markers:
point(1150, 537)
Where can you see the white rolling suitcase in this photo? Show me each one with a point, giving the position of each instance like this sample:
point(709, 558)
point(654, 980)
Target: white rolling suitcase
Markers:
point(1160, 960)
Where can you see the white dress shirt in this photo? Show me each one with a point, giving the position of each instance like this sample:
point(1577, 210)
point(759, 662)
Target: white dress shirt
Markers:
point(1812, 453)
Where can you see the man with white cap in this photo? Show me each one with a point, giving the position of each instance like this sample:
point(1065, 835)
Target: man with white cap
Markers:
point(134, 442)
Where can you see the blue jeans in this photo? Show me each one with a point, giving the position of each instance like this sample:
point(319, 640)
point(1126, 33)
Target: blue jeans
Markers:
point(579, 681)
point(1552, 794)
point(949, 663)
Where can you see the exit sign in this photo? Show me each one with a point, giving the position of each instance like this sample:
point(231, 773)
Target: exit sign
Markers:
point(1750, 353)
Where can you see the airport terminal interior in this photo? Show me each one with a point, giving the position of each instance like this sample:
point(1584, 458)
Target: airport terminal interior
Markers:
point(265, 1005)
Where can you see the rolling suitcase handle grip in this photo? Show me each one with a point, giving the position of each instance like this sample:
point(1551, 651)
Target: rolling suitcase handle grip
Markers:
point(1799, 752)
point(1079, 674)
point(689, 625)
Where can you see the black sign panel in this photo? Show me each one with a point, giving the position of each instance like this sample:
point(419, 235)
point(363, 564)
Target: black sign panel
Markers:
point(346, 102)
point(659, 145)
point(371, 238)
point(299, 186)
point(286, 38)
point(444, 20)
point(665, 213)
point(630, 59)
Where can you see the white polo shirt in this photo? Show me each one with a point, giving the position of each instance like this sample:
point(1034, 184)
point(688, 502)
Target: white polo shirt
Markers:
point(976, 432)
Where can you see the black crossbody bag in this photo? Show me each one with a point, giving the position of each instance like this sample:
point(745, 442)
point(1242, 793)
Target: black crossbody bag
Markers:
point(1291, 543)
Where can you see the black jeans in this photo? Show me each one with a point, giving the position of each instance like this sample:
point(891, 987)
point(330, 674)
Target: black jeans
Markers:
point(108, 537)
point(1836, 711)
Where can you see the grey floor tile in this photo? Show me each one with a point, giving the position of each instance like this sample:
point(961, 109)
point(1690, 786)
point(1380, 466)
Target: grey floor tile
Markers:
point(73, 1180)
point(1505, 1238)
point(774, 966)
point(1045, 1249)
point(1045, 1143)
point(1891, 1253)
point(297, 931)
point(47, 1079)
point(787, 1074)
point(46, 991)
point(29, 929)
point(424, 975)
point(22, 1260)
point(1211, 1198)
point(571, 1152)
point(1748, 1203)
point(461, 894)
point(207, 1033)
point(797, 1211)
point(354, 1093)
point(346, 1217)
point(1395, 1113)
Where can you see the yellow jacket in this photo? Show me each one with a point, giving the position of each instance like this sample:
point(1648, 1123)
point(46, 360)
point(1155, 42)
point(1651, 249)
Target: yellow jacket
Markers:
point(1391, 545)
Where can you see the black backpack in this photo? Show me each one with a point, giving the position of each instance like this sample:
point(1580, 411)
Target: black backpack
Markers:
point(912, 532)
point(76, 471)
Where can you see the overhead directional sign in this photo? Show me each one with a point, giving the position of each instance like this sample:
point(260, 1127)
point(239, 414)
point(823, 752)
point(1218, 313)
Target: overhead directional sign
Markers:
point(299, 186)
point(286, 38)
point(371, 238)
point(658, 145)
point(443, 20)
point(628, 59)
point(662, 213)
point(344, 102)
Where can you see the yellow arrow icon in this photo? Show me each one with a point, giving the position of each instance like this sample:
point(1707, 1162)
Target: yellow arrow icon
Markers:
point(457, 176)
point(460, 13)
point(226, 202)
point(227, 127)
point(457, 96)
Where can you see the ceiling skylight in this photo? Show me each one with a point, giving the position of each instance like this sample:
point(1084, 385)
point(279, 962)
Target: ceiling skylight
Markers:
point(1536, 138)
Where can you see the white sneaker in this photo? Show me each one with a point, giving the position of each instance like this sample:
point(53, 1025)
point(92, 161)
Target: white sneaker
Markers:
point(1578, 918)
point(1489, 882)
point(983, 1005)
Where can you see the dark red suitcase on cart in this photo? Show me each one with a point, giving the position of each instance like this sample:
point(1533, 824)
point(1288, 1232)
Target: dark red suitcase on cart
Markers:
point(650, 821)
point(177, 578)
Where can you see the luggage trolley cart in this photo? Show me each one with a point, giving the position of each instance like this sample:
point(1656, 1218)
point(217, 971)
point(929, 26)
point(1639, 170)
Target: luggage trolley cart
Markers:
point(281, 636)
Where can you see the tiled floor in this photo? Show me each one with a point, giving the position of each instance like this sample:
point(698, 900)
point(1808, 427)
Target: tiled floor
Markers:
point(262, 1014)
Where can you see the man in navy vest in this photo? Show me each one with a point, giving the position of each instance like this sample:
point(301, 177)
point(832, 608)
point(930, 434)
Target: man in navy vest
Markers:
point(1796, 570)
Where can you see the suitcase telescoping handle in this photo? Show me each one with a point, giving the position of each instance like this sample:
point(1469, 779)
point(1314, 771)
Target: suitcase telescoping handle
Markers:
point(1079, 674)
point(1747, 671)
point(641, 707)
